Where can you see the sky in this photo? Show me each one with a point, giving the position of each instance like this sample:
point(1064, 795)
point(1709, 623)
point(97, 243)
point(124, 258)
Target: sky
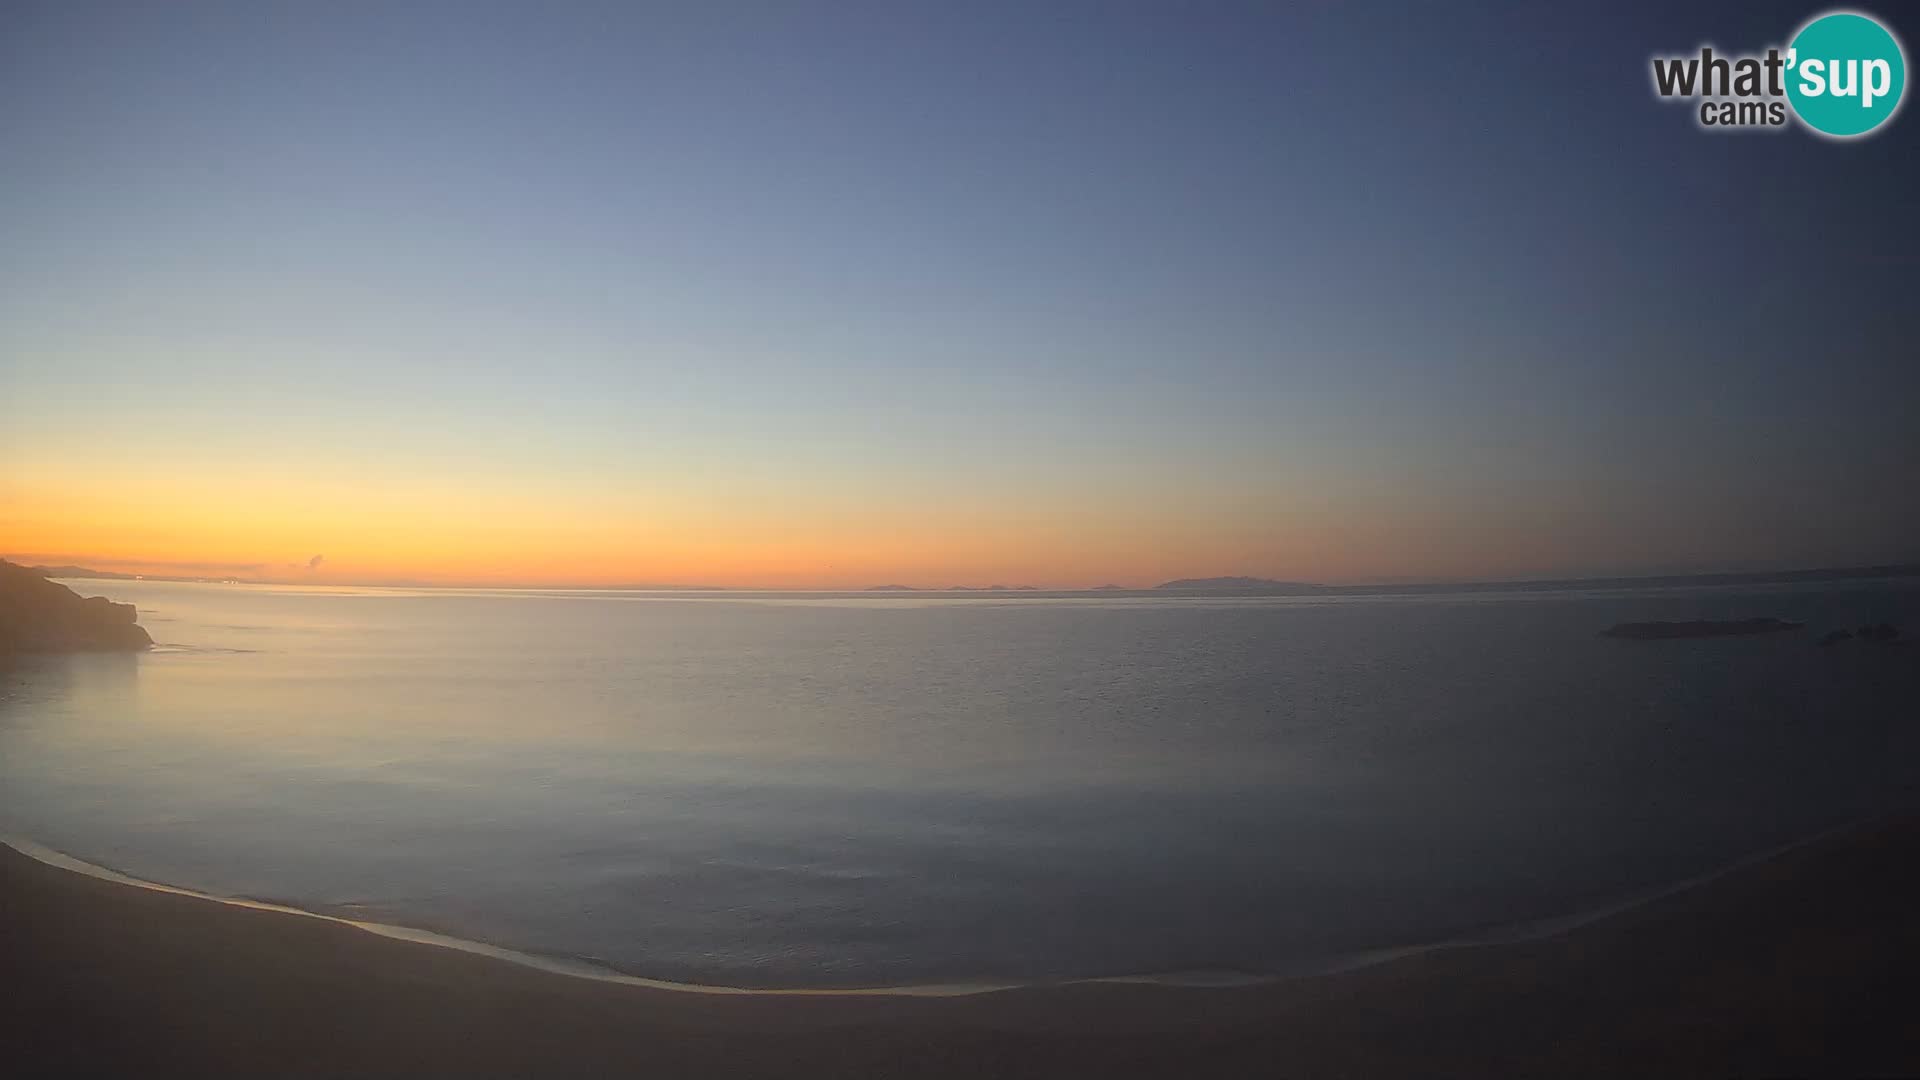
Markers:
point(789, 294)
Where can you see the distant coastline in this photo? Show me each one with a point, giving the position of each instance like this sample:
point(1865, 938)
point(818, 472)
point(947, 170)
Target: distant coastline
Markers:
point(1254, 586)
point(1226, 585)
point(84, 573)
point(1263, 586)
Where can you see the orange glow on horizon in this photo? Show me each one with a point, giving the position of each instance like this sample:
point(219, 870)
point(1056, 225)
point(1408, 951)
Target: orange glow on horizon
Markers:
point(266, 523)
point(182, 526)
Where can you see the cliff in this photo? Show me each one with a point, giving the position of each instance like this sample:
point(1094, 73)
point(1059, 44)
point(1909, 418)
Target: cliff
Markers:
point(37, 615)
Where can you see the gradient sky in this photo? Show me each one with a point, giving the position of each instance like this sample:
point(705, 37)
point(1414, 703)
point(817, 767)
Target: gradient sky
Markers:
point(828, 295)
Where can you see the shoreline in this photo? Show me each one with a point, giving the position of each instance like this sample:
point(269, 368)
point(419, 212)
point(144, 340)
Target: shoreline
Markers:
point(1530, 930)
point(571, 967)
point(1801, 963)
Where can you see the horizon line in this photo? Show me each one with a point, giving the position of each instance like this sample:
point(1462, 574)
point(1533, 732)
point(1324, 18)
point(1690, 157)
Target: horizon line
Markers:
point(1253, 584)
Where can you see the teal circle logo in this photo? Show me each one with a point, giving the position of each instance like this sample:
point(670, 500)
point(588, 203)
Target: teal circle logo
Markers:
point(1846, 74)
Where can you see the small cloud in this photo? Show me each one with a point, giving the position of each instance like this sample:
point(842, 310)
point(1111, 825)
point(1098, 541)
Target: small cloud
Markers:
point(314, 563)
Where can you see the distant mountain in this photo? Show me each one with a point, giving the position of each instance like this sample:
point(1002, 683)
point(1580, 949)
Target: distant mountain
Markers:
point(891, 588)
point(114, 575)
point(1108, 588)
point(77, 572)
point(1217, 584)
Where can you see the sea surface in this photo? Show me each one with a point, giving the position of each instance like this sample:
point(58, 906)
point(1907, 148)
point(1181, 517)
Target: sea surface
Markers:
point(834, 790)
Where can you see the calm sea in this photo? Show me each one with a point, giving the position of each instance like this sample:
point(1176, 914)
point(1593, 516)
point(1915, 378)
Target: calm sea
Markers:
point(844, 790)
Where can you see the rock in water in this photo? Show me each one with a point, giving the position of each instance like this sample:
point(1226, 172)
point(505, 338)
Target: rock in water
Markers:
point(37, 615)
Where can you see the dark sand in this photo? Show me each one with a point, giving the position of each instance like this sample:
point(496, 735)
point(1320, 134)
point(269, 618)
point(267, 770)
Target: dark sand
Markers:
point(1803, 964)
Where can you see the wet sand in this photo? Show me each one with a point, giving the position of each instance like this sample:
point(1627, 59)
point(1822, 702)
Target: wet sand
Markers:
point(1801, 964)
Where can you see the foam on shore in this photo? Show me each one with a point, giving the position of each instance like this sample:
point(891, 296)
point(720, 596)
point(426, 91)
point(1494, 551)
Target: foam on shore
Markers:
point(1515, 933)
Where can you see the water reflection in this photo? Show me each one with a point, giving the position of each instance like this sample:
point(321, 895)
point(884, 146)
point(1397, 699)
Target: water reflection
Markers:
point(824, 793)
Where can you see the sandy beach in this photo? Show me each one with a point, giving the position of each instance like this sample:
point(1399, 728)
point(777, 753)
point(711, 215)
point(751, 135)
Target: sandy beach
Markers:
point(1800, 964)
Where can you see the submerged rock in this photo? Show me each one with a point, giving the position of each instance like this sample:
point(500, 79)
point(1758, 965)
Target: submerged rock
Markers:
point(37, 615)
point(1699, 628)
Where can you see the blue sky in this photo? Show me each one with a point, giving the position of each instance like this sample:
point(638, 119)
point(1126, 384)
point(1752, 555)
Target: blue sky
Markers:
point(1307, 290)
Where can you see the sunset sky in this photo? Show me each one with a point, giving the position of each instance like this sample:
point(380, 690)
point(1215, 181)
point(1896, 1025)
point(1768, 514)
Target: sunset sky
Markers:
point(829, 295)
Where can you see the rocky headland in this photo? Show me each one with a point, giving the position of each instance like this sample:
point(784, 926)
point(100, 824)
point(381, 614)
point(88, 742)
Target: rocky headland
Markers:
point(37, 615)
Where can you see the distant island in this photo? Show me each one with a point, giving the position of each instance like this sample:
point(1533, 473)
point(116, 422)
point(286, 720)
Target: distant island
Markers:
point(1267, 585)
point(891, 588)
point(37, 615)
